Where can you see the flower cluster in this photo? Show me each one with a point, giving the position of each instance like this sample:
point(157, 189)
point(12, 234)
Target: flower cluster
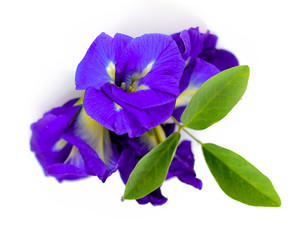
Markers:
point(132, 86)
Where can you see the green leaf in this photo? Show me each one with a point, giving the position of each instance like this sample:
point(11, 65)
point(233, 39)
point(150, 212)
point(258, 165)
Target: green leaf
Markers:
point(151, 171)
point(216, 98)
point(238, 178)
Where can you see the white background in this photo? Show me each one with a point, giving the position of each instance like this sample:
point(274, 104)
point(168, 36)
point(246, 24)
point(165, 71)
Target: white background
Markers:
point(41, 44)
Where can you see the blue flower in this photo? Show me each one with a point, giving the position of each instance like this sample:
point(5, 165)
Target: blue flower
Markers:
point(70, 145)
point(133, 149)
point(202, 61)
point(131, 85)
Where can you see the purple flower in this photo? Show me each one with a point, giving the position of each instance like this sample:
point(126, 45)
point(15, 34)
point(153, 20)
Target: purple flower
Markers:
point(130, 85)
point(70, 145)
point(133, 149)
point(202, 61)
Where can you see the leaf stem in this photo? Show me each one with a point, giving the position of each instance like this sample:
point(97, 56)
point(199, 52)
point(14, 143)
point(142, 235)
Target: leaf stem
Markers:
point(181, 127)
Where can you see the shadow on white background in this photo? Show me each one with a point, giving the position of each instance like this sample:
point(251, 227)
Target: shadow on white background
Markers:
point(41, 46)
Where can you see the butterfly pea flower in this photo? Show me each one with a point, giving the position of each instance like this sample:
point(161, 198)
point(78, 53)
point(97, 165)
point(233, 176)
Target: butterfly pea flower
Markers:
point(70, 145)
point(133, 149)
point(202, 61)
point(193, 44)
point(131, 84)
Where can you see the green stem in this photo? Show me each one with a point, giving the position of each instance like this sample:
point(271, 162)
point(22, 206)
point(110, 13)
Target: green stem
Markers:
point(181, 127)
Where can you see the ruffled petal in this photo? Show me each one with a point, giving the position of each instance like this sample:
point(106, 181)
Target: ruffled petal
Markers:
point(154, 62)
point(223, 59)
point(142, 99)
point(182, 41)
point(66, 172)
point(155, 198)
point(209, 46)
point(99, 64)
point(70, 145)
point(93, 141)
point(46, 134)
point(96, 136)
point(93, 164)
point(182, 166)
point(190, 42)
point(110, 114)
point(120, 117)
point(196, 42)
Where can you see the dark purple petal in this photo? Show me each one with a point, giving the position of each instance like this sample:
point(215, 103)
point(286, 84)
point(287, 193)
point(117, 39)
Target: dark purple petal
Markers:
point(177, 113)
point(210, 41)
point(63, 171)
point(223, 60)
point(183, 164)
point(190, 43)
point(209, 46)
point(99, 64)
point(146, 142)
point(196, 42)
point(127, 162)
point(181, 39)
point(186, 76)
point(155, 198)
point(168, 128)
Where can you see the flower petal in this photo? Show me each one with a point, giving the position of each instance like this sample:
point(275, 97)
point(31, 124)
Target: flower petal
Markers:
point(183, 164)
point(209, 46)
point(142, 99)
point(46, 133)
point(99, 64)
point(96, 136)
point(120, 117)
point(94, 144)
point(65, 172)
point(154, 61)
point(190, 42)
point(200, 74)
point(155, 198)
point(223, 59)
point(182, 41)
point(108, 113)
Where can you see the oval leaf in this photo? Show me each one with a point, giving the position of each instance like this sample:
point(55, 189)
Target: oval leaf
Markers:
point(238, 178)
point(216, 98)
point(151, 171)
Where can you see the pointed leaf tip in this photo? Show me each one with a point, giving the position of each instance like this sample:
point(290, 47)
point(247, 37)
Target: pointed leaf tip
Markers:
point(238, 178)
